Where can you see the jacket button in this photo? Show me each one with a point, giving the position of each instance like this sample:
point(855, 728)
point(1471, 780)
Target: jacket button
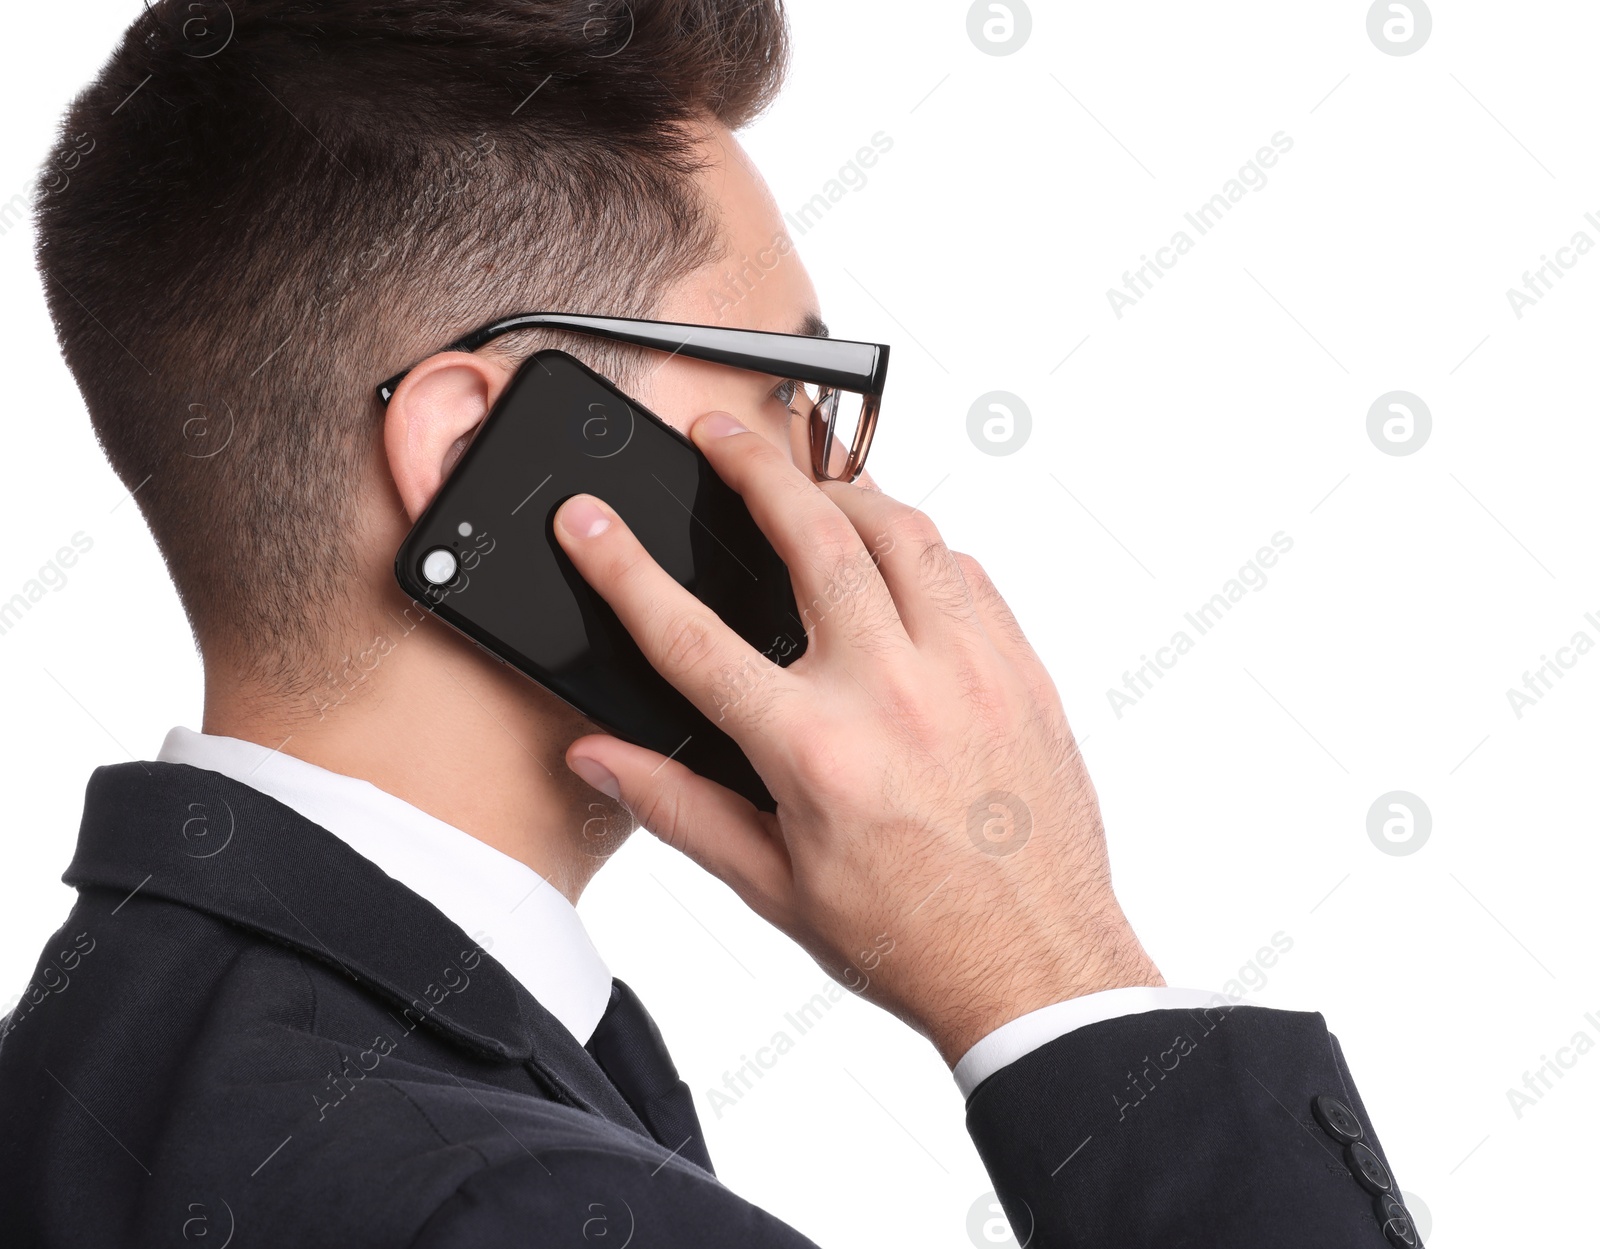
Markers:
point(1368, 1169)
point(1397, 1224)
point(1337, 1119)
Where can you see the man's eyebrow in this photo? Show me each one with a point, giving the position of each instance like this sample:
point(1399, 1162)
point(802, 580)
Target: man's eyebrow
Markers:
point(811, 325)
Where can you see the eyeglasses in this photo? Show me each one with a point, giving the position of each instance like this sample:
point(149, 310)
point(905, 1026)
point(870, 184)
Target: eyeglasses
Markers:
point(843, 381)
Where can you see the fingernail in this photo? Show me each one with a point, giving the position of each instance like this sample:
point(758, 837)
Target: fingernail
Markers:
point(582, 517)
point(719, 425)
point(597, 776)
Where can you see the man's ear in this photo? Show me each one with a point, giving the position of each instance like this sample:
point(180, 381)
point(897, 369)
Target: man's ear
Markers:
point(432, 417)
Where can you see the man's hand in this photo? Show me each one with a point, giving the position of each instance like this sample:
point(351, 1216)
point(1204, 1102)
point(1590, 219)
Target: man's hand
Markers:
point(937, 844)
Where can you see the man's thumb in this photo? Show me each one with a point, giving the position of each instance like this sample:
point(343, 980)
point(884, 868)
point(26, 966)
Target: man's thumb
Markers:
point(717, 828)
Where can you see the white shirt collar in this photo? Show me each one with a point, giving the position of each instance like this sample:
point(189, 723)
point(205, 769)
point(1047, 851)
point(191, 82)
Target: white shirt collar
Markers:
point(508, 908)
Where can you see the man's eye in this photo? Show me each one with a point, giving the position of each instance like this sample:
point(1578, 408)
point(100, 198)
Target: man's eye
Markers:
point(785, 392)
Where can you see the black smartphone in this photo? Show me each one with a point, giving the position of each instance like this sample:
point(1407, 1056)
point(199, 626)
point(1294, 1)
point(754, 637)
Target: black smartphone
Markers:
point(484, 559)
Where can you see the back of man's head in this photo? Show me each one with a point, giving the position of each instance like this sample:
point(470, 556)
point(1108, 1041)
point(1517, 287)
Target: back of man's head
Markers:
point(272, 207)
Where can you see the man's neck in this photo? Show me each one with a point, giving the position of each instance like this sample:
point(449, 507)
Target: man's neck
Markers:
point(428, 719)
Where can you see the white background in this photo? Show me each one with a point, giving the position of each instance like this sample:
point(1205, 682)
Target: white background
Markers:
point(1228, 405)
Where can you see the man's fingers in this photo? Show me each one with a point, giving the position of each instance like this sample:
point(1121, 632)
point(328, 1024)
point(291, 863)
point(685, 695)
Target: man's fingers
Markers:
point(714, 826)
point(833, 573)
point(1005, 634)
point(710, 664)
point(919, 569)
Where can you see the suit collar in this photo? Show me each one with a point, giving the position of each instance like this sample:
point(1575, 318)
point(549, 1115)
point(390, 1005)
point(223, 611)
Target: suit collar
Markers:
point(512, 911)
point(213, 844)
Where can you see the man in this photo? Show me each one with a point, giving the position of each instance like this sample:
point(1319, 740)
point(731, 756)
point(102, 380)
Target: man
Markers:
point(325, 972)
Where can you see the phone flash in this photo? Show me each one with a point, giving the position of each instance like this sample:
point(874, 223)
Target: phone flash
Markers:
point(465, 529)
point(439, 566)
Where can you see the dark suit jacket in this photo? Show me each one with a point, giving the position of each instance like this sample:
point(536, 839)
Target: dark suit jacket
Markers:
point(246, 1028)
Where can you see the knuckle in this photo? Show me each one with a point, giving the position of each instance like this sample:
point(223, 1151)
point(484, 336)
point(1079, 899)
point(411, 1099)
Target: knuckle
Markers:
point(934, 557)
point(995, 703)
point(904, 698)
point(985, 703)
point(788, 485)
point(972, 570)
point(833, 544)
point(942, 582)
point(627, 565)
point(940, 585)
point(1039, 694)
point(841, 589)
point(822, 763)
point(917, 528)
point(685, 642)
point(979, 583)
point(987, 594)
point(935, 563)
point(658, 811)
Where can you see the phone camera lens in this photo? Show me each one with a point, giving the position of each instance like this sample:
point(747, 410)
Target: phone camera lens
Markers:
point(439, 566)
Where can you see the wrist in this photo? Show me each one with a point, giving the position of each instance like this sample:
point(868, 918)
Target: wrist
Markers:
point(1099, 956)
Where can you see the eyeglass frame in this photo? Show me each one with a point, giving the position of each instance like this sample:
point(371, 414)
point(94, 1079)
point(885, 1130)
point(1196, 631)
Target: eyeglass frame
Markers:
point(830, 363)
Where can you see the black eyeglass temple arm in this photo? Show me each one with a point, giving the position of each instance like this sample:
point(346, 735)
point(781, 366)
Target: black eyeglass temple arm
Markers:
point(853, 366)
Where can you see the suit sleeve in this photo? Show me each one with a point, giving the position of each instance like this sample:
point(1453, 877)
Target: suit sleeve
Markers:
point(1230, 1126)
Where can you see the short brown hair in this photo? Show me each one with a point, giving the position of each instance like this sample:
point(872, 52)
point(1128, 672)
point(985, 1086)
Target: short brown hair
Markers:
point(244, 227)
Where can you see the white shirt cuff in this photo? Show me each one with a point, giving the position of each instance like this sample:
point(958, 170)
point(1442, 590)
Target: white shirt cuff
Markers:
point(1023, 1035)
